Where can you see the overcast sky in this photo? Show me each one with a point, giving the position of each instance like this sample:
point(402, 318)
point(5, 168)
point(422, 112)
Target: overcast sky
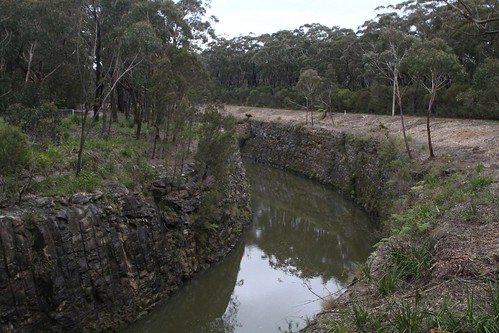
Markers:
point(240, 17)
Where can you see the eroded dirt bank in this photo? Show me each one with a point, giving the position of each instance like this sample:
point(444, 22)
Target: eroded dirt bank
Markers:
point(447, 206)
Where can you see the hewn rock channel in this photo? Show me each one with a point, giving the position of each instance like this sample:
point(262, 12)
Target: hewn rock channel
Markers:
point(353, 164)
point(93, 262)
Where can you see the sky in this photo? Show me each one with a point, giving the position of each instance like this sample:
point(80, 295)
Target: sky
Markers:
point(241, 17)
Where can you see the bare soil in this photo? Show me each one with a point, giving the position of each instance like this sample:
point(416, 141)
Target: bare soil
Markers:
point(466, 253)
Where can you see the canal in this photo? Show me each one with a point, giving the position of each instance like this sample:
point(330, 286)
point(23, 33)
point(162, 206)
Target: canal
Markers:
point(303, 244)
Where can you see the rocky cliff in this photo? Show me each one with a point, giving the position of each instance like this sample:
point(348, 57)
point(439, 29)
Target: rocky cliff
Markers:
point(93, 262)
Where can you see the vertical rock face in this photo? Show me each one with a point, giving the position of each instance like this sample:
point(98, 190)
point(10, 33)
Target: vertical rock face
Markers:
point(96, 263)
point(354, 165)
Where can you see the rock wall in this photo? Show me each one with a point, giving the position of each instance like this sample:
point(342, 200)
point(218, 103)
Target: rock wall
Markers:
point(94, 262)
point(354, 164)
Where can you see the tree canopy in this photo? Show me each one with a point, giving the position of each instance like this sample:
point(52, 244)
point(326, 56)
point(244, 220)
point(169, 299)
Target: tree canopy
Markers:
point(147, 58)
point(363, 66)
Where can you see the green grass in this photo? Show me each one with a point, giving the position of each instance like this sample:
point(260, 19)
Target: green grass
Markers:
point(474, 319)
point(46, 161)
point(66, 185)
point(404, 264)
point(439, 195)
point(417, 219)
point(409, 316)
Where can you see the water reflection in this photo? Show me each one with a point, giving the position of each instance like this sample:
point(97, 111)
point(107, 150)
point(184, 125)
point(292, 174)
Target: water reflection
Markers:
point(305, 226)
point(303, 240)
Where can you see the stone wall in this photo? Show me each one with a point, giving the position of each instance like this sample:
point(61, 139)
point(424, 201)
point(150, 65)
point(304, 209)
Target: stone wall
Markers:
point(354, 164)
point(94, 262)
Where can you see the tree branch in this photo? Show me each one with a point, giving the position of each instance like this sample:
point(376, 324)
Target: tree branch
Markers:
point(471, 16)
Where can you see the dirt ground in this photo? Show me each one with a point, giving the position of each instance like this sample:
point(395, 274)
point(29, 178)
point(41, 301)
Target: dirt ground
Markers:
point(466, 254)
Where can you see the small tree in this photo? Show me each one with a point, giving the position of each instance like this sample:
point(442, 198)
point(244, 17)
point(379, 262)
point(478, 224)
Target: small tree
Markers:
point(216, 143)
point(387, 63)
point(329, 86)
point(434, 65)
point(308, 85)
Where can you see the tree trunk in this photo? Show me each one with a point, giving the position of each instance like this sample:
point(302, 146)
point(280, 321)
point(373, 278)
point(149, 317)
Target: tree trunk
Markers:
point(399, 97)
point(137, 114)
point(156, 139)
point(104, 121)
point(30, 61)
point(306, 111)
point(99, 88)
point(312, 117)
point(114, 106)
point(433, 94)
point(395, 88)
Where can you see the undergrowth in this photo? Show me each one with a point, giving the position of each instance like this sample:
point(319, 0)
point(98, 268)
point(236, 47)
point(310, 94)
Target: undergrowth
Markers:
point(413, 315)
point(441, 192)
point(405, 263)
point(117, 159)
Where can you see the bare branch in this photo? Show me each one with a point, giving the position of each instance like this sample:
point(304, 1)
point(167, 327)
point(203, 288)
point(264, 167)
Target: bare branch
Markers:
point(5, 94)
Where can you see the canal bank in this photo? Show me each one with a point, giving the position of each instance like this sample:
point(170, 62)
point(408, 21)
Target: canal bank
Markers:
point(355, 165)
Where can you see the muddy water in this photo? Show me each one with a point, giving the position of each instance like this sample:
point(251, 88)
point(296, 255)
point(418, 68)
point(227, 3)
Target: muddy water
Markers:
point(304, 241)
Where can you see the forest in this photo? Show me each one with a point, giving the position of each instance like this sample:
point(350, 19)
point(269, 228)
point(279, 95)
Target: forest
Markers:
point(80, 79)
point(129, 56)
point(148, 59)
point(444, 49)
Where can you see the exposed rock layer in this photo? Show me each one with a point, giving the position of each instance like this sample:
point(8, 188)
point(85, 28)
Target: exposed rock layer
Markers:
point(353, 164)
point(95, 262)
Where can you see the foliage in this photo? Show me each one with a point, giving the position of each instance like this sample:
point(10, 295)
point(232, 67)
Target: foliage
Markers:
point(485, 88)
point(432, 60)
point(309, 83)
point(67, 185)
point(46, 161)
point(216, 143)
point(213, 160)
point(14, 151)
point(360, 65)
point(101, 57)
point(405, 263)
point(42, 123)
point(417, 219)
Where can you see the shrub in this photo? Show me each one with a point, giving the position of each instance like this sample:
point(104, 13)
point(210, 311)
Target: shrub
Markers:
point(45, 161)
point(43, 123)
point(75, 120)
point(14, 151)
point(216, 139)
